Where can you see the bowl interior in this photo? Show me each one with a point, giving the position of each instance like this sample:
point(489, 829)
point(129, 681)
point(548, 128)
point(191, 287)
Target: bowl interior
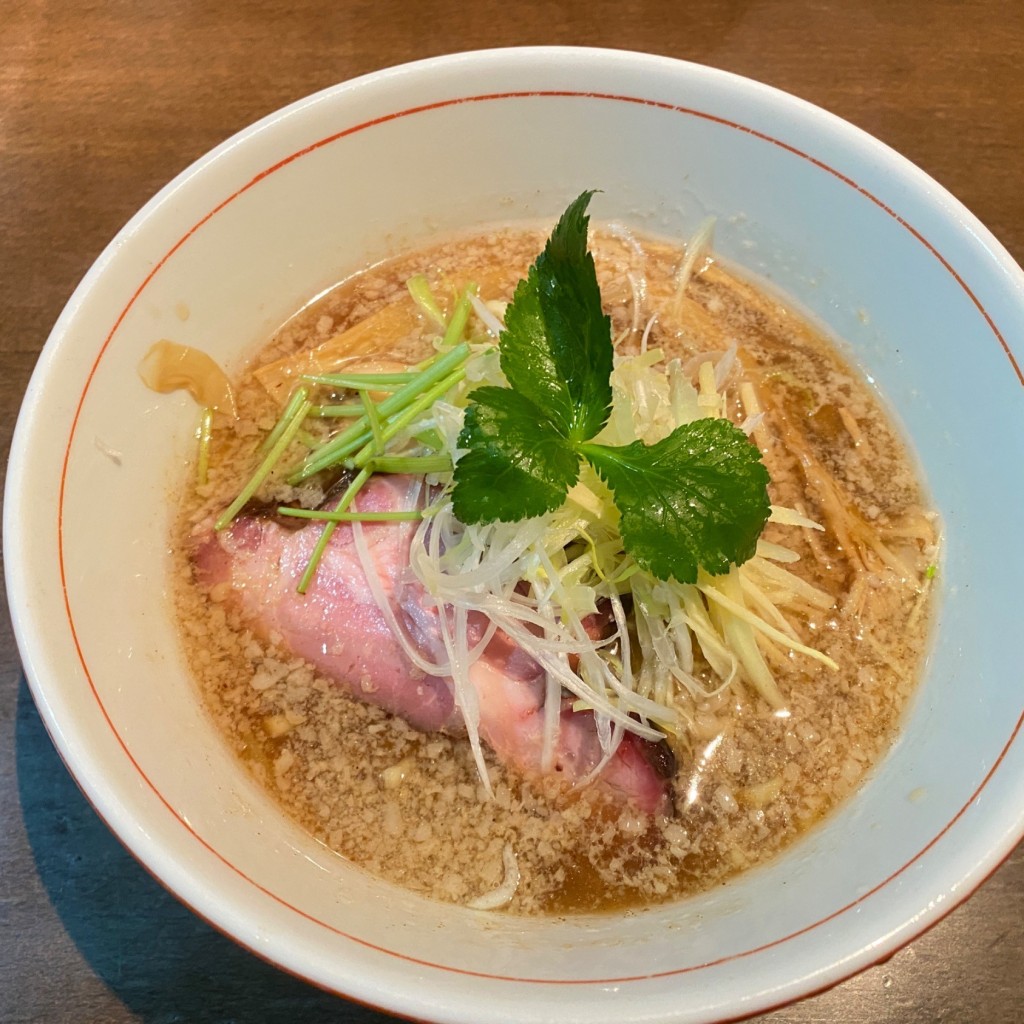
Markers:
point(923, 300)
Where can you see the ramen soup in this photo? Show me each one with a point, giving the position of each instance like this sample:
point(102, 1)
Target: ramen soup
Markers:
point(523, 715)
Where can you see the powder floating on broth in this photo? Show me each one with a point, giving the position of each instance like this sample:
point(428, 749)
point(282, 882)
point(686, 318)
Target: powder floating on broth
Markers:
point(412, 806)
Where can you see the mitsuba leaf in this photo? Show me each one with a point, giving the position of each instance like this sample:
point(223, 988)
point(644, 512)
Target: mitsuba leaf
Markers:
point(697, 498)
point(556, 348)
point(517, 464)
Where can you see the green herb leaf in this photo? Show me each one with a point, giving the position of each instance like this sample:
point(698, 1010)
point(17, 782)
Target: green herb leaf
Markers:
point(697, 498)
point(517, 464)
point(556, 348)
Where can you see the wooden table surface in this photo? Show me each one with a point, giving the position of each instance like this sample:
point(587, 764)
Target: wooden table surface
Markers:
point(101, 103)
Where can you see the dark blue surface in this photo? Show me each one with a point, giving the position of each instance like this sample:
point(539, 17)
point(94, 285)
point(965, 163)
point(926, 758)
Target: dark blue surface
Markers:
point(161, 961)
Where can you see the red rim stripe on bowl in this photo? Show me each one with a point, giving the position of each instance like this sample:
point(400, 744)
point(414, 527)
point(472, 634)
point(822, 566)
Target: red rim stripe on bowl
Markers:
point(565, 94)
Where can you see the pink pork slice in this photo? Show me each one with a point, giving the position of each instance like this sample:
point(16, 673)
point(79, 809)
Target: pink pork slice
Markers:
point(339, 628)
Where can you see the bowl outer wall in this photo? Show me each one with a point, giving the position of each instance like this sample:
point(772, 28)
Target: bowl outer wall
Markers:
point(987, 822)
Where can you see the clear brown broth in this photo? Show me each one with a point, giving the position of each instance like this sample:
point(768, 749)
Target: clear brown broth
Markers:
point(410, 808)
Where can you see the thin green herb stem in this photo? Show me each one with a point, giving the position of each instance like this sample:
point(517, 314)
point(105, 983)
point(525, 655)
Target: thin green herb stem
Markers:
point(334, 451)
point(431, 438)
point(424, 298)
point(263, 470)
point(408, 415)
point(425, 364)
point(337, 410)
point(322, 541)
point(438, 366)
point(375, 427)
point(358, 433)
point(350, 517)
point(460, 317)
point(204, 434)
point(318, 553)
point(299, 395)
point(409, 464)
point(362, 381)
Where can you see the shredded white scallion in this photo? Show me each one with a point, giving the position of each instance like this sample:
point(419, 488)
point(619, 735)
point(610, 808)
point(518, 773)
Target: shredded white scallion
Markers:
point(790, 517)
point(697, 250)
point(489, 320)
point(503, 893)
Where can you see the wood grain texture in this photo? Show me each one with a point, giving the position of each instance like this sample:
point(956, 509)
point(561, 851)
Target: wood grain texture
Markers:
point(103, 103)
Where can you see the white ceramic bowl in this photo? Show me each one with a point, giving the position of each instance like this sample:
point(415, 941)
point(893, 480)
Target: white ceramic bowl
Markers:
point(929, 304)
